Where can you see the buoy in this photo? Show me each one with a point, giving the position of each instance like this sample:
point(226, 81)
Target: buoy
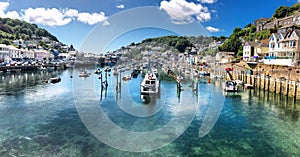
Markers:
point(46, 81)
point(108, 74)
point(99, 77)
point(208, 81)
point(71, 76)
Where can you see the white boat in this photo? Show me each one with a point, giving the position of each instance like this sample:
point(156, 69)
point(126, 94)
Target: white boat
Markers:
point(150, 85)
point(126, 77)
point(115, 72)
point(248, 86)
point(230, 86)
point(42, 68)
point(98, 71)
point(83, 74)
point(155, 72)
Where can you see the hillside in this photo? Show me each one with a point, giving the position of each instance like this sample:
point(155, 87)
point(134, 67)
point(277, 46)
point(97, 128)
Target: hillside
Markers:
point(249, 33)
point(11, 29)
point(171, 44)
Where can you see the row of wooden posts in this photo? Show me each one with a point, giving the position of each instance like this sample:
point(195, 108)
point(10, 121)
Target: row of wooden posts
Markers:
point(282, 86)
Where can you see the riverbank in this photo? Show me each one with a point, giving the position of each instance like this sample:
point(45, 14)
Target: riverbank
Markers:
point(283, 80)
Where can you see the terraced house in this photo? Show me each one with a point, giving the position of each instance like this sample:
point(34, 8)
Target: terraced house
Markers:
point(284, 48)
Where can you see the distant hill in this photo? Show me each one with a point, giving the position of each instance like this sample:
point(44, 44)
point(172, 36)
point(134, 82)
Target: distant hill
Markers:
point(171, 44)
point(12, 29)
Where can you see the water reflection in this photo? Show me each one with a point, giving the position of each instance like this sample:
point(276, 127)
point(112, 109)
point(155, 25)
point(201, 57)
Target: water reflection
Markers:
point(40, 119)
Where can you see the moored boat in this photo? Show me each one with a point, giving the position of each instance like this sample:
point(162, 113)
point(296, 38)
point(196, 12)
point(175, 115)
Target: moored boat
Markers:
point(150, 85)
point(55, 79)
point(84, 74)
point(98, 71)
point(126, 77)
point(230, 86)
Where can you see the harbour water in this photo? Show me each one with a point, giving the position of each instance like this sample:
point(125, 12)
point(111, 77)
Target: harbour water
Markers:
point(42, 119)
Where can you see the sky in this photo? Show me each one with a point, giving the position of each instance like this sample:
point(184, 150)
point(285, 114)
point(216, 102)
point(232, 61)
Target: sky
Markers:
point(109, 24)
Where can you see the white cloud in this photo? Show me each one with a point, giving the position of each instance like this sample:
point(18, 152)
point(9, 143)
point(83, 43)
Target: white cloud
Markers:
point(207, 1)
point(71, 13)
point(120, 6)
point(10, 14)
point(182, 11)
point(91, 18)
point(51, 16)
point(212, 29)
point(3, 6)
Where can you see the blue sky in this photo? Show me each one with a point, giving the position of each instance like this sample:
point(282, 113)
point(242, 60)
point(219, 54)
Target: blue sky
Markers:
point(71, 21)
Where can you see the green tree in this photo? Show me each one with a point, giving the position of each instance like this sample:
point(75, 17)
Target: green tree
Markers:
point(281, 12)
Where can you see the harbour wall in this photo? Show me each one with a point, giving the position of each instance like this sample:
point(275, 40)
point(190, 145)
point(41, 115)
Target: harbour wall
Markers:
point(269, 78)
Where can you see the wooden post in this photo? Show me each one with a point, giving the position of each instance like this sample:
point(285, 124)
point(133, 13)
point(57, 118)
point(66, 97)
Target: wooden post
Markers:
point(269, 79)
point(275, 85)
point(295, 92)
point(101, 86)
point(264, 82)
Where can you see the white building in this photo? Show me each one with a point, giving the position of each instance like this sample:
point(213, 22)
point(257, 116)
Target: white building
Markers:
point(14, 52)
point(4, 51)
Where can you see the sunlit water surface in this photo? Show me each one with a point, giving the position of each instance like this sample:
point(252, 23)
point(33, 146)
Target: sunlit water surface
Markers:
point(40, 119)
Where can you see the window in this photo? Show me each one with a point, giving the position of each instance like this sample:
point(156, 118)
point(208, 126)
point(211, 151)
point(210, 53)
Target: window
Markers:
point(293, 43)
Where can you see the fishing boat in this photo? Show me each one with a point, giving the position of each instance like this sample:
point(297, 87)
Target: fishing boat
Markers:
point(150, 85)
point(55, 79)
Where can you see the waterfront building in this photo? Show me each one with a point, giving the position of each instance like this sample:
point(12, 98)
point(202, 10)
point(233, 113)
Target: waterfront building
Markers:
point(224, 57)
point(283, 48)
point(4, 51)
point(41, 54)
point(248, 51)
point(14, 53)
point(262, 48)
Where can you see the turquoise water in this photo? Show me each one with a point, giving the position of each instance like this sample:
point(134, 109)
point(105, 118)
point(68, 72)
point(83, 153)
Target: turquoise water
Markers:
point(41, 119)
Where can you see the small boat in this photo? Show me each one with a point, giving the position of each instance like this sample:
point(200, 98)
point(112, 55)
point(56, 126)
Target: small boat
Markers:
point(248, 86)
point(150, 84)
point(55, 80)
point(42, 68)
point(126, 78)
point(204, 73)
point(115, 72)
point(107, 69)
point(98, 71)
point(230, 86)
point(84, 74)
